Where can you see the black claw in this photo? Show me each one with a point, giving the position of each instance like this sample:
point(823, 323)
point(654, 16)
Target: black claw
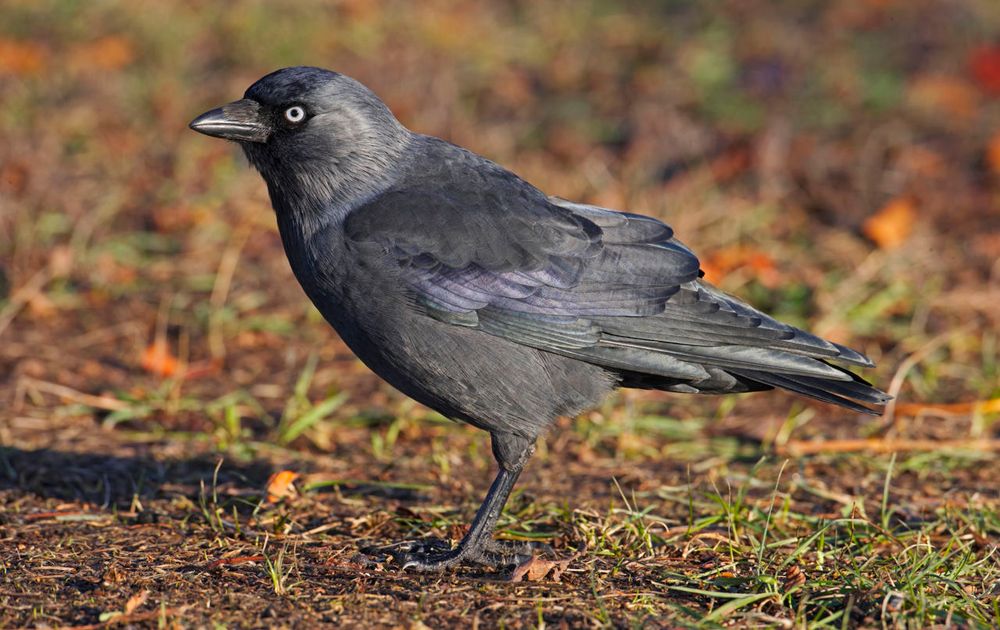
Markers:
point(436, 555)
point(422, 555)
point(428, 561)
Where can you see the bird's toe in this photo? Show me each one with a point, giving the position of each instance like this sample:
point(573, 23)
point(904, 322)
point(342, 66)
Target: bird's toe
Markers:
point(419, 555)
point(436, 555)
point(428, 561)
point(516, 549)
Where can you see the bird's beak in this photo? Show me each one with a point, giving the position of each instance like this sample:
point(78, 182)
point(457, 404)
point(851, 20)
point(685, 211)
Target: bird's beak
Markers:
point(240, 121)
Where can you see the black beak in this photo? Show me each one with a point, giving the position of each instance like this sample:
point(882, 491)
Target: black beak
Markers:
point(240, 121)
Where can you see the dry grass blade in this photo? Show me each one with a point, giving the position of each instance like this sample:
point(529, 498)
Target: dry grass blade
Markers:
point(885, 445)
point(23, 295)
point(26, 384)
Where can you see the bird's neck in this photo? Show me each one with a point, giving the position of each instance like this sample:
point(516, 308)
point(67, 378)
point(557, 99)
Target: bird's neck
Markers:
point(316, 196)
point(304, 211)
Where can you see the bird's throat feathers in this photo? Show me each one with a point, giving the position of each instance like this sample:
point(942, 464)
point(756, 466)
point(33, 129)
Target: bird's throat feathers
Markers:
point(342, 175)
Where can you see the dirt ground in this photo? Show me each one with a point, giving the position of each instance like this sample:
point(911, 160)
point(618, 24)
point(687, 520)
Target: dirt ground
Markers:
point(185, 443)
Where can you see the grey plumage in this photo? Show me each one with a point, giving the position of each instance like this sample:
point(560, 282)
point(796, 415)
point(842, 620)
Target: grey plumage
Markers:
point(476, 294)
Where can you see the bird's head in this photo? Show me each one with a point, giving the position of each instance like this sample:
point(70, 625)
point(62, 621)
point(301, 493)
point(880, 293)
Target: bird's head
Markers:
point(312, 134)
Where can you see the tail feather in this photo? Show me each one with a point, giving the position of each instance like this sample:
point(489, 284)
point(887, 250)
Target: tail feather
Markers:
point(728, 346)
point(845, 394)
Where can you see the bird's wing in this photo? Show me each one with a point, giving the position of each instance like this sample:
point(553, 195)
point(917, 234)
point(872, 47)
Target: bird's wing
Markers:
point(511, 251)
point(607, 287)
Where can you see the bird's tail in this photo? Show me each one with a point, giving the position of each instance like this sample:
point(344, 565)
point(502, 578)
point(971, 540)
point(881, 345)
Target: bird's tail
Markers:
point(848, 394)
point(711, 343)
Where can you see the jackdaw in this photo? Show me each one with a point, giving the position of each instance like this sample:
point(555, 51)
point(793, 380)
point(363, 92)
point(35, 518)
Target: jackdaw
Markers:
point(478, 295)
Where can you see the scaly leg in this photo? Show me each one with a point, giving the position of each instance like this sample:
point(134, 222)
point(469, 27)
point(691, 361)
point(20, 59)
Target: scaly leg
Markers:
point(512, 453)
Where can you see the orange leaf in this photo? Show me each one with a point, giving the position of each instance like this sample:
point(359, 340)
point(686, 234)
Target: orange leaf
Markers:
point(713, 273)
point(993, 153)
point(279, 485)
point(156, 359)
point(758, 260)
point(889, 227)
point(739, 257)
point(107, 53)
point(21, 58)
point(135, 601)
point(537, 569)
point(985, 65)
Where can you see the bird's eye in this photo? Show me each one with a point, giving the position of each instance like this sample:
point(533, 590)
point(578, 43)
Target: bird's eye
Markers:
point(295, 114)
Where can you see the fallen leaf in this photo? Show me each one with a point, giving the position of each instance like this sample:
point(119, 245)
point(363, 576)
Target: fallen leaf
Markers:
point(14, 175)
point(107, 53)
point(21, 58)
point(993, 153)
point(157, 359)
point(537, 569)
point(985, 65)
point(740, 257)
point(279, 485)
point(135, 601)
point(889, 227)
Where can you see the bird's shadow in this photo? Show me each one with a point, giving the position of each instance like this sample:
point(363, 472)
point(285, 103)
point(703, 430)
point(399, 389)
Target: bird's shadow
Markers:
point(118, 484)
point(119, 481)
point(116, 481)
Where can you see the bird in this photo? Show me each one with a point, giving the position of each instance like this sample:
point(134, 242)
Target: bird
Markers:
point(489, 301)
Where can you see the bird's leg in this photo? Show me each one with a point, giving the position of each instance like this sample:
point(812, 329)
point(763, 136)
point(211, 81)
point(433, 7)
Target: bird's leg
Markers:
point(511, 452)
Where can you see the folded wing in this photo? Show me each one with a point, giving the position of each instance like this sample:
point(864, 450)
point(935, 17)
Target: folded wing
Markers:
point(606, 287)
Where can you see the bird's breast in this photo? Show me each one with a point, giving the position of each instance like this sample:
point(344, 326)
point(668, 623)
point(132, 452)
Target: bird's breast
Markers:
point(460, 372)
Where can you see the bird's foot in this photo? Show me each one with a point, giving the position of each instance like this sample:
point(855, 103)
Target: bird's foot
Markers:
point(418, 558)
point(432, 554)
point(436, 555)
point(514, 551)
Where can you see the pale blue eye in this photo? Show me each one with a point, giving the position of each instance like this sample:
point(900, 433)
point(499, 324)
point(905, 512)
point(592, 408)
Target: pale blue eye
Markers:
point(295, 114)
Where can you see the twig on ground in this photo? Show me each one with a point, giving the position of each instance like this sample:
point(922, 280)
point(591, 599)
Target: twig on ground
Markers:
point(24, 295)
point(26, 383)
point(877, 445)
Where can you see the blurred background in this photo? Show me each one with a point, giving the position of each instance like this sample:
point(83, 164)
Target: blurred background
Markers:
point(836, 163)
